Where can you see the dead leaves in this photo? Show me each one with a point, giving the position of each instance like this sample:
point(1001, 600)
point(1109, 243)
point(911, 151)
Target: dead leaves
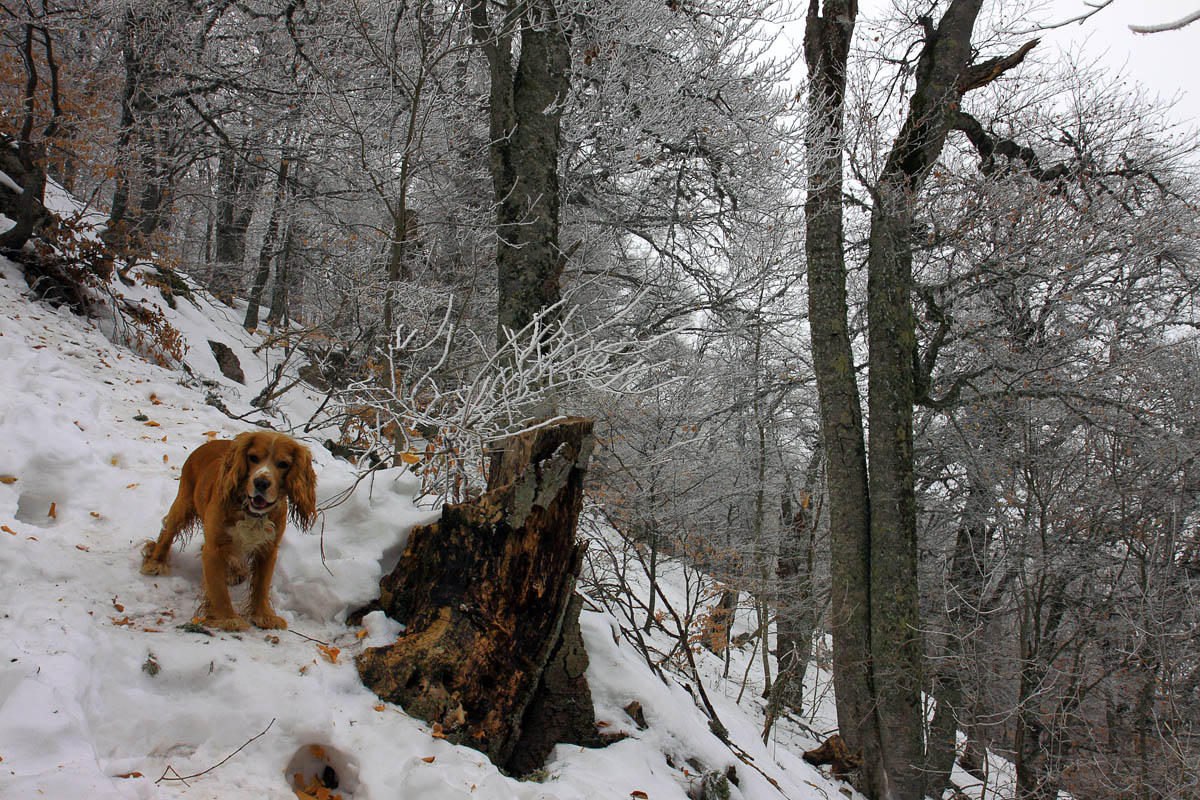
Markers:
point(8, 479)
point(315, 788)
point(330, 653)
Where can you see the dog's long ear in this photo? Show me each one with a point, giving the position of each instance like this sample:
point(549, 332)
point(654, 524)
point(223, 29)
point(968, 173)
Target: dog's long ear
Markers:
point(231, 483)
point(302, 488)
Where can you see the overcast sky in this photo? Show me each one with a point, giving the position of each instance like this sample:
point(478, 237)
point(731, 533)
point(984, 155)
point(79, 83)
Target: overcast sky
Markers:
point(1165, 63)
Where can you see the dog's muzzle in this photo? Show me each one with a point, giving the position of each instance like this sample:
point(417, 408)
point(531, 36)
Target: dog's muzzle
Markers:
point(257, 505)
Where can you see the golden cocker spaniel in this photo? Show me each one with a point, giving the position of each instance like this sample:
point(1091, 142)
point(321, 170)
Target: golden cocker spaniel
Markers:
point(241, 493)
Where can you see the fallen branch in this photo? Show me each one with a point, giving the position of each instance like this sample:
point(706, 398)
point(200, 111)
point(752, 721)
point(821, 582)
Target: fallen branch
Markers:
point(185, 778)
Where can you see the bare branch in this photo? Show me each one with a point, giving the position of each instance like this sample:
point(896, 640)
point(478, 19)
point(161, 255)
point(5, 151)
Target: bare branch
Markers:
point(1167, 26)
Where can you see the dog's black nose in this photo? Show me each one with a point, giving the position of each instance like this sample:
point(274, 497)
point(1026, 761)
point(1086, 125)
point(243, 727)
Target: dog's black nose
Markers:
point(261, 484)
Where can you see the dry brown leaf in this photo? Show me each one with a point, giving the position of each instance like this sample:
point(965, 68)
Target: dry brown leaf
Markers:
point(330, 653)
point(7, 529)
point(131, 486)
point(639, 794)
point(152, 424)
point(410, 458)
point(94, 514)
point(437, 731)
point(129, 775)
point(53, 513)
point(7, 479)
point(428, 759)
point(164, 458)
point(317, 751)
point(380, 707)
point(362, 634)
point(117, 605)
point(83, 548)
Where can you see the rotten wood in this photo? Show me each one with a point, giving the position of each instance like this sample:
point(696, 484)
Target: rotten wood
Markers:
point(492, 650)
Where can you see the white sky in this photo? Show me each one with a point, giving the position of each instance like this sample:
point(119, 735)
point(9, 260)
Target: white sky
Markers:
point(1164, 63)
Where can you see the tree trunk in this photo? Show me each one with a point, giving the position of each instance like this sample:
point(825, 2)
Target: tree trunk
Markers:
point(492, 650)
point(267, 251)
point(525, 108)
point(797, 614)
point(877, 646)
point(279, 291)
point(237, 187)
point(28, 205)
point(826, 48)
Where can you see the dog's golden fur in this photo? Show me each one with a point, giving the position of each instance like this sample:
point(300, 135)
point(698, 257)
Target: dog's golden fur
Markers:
point(240, 493)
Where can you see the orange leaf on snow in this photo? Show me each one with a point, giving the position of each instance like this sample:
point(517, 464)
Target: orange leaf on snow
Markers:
point(53, 513)
point(380, 707)
point(6, 479)
point(428, 759)
point(437, 731)
point(152, 424)
point(362, 634)
point(7, 529)
point(211, 434)
point(129, 775)
point(83, 548)
point(123, 621)
point(639, 794)
point(317, 751)
point(130, 486)
point(331, 653)
point(164, 458)
point(113, 461)
point(94, 514)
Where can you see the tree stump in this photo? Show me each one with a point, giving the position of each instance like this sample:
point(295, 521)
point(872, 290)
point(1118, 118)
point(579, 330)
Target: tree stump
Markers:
point(492, 650)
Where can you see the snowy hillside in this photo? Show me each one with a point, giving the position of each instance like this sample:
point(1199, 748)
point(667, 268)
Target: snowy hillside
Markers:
point(102, 692)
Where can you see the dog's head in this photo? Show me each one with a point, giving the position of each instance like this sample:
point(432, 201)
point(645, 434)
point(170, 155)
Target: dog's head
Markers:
point(262, 468)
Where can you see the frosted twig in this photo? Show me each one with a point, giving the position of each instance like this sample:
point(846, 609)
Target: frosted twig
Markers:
point(185, 778)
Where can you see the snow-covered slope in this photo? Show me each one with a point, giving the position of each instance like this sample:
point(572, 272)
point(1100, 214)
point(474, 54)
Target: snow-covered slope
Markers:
point(102, 693)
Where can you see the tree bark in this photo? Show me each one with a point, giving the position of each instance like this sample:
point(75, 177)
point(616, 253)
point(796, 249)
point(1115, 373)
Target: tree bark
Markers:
point(492, 650)
point(237, 187)
point(267, 251)
point(826, 49)
point(525, 109)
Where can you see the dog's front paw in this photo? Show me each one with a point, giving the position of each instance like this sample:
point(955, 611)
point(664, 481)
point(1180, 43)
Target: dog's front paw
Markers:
point(269, 621)
point(232, 624)
point(150, 565)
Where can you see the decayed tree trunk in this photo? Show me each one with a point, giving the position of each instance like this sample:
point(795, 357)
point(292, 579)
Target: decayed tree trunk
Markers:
point(492, 650)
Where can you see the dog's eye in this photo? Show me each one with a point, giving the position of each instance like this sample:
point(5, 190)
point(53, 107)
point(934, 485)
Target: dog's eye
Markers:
point(253, 459)
point(283, 465)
